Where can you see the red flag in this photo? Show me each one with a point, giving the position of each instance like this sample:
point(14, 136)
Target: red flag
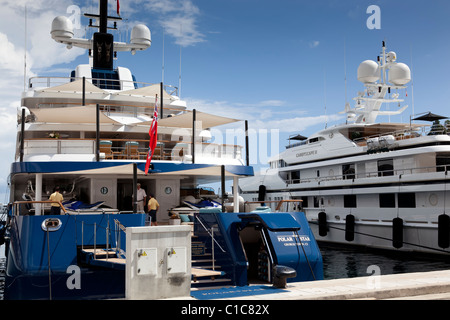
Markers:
point(118, 8)
point(153, 133)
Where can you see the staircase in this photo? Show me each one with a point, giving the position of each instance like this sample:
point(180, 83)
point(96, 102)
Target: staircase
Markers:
point(206, 274)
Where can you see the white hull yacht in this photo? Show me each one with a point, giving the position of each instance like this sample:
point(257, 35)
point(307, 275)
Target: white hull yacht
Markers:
point(380, 185)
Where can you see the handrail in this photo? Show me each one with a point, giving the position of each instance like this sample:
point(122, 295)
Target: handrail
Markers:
point(206, 229)
point(116, 82)
point(371, 174)
point(44, 201)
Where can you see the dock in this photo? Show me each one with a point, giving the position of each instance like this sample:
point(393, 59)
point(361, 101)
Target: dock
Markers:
point(434, 285)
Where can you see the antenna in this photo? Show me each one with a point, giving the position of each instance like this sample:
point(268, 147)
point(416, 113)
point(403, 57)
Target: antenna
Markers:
point(179, 76)
point(164, 29)
point(345, 72)
point(25, 54)
point(325, 95)
point(412, 81)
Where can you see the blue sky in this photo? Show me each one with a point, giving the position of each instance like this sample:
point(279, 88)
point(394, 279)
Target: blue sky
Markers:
point(278, 64)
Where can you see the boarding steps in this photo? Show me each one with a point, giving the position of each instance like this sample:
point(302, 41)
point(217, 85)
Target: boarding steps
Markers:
point(205, 273)
point(102, 257)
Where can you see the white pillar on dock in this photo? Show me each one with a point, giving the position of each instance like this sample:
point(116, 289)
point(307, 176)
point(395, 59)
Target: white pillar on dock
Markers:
point(235, 194)
point(38, 187)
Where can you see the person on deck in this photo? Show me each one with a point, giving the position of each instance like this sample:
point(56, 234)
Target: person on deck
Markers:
point(153, 207)
point(55, 208)
point(141, 197)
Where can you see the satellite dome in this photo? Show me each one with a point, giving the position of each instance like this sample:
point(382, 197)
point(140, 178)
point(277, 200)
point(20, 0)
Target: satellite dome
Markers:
point(391, 56)
point(399, 74)
point(368, 72)
point(140, 35)
point(62, 27)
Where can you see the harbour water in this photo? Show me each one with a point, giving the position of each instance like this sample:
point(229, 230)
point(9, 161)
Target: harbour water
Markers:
point(350, 262)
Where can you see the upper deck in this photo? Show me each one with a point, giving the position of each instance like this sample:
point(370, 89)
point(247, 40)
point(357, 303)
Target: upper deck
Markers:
point(61, 122)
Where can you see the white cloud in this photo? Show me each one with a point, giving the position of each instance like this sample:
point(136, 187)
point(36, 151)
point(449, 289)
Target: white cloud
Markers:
point(285, 119)
point(314, 44)
point(179, 19)
point(42, 52)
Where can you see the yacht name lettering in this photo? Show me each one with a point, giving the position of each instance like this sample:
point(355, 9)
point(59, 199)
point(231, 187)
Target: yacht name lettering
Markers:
point(291, 238)
point(305, 154)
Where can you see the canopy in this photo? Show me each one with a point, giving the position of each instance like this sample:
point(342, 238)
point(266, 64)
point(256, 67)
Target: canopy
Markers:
point(149, 92)
point(298, 137)
point(430, 117)
point(73, 90)
point(185, 120)
point(78, 114)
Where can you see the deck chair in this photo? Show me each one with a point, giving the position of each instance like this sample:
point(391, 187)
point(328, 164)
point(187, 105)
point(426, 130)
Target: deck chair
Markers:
point(105, 147)
point(158, 153)
point(131, 149)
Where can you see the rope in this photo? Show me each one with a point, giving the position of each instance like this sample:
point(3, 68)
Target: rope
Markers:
point(307, 260)
point(384, 238)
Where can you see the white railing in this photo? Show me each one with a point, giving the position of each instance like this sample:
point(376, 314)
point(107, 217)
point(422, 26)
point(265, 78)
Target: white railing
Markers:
point(87, 146)
point(47, 82)
point(372, 174)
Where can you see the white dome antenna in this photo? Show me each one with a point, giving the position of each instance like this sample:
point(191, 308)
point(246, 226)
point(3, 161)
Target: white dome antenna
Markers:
point(399, 74)
point(62, 29)
point(141, 36)
point(368, 72)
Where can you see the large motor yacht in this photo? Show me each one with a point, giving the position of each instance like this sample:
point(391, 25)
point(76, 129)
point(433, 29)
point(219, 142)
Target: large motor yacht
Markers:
point(368, 183)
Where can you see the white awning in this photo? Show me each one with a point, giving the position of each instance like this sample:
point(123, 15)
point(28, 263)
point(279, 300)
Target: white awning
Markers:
point(73, 90)
point(79, 114)
point(145, 95)
point(185, 120)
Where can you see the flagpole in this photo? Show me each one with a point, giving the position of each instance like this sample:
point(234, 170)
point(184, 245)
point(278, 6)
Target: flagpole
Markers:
point(161, 108)
point(194, 116)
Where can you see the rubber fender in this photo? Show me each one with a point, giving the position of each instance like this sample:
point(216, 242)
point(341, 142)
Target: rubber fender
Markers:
point(397, 233)
point(262, 193)
point(444, 231)
point(323, 227)
point(350, 227)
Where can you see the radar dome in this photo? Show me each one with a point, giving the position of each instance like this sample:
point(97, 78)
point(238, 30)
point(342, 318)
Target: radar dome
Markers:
point(368, 72)
point(62, 28)
point(140, 35)
point(399, 74)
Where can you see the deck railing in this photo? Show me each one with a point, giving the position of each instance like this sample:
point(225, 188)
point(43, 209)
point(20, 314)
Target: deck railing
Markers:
point(167, 150)
point(372, 174)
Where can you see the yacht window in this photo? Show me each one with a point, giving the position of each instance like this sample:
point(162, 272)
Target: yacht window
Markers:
point(348, 171)
point(385, 167)
point(316, 202)
point(387, 200)
point(295, 176)
point(350, 201)
point(305, 202)
point(407, 200)
point(442, 162)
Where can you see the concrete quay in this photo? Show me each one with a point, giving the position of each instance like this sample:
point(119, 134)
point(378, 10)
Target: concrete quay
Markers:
point(434, 285)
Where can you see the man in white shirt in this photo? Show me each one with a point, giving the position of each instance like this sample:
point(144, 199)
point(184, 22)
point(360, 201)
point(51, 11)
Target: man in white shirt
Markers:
point(141, 197)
